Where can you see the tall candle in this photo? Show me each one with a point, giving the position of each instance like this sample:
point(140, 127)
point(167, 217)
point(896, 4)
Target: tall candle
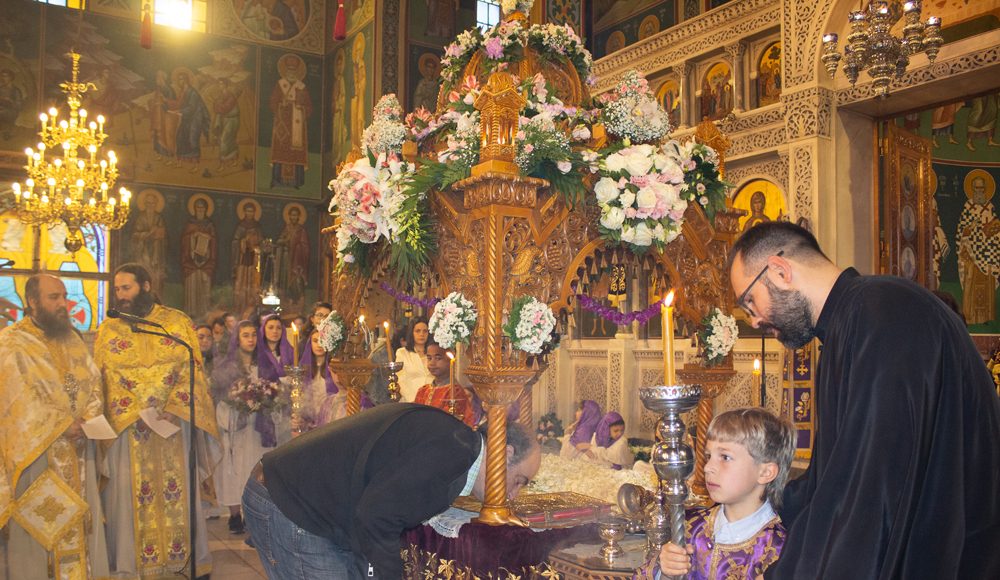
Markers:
point(388, 339)
point(667, 315)
point(451, 376)
point(758, 378)
point(295, 345)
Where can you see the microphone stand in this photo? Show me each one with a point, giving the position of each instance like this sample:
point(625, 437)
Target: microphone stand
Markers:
point(192, 451)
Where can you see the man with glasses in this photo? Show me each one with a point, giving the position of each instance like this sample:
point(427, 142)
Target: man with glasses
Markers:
point(903, 481)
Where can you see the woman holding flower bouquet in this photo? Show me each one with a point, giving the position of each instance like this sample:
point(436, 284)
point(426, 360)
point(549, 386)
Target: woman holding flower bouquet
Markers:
point(274, 353)
point(236, 381)
point(413, 356)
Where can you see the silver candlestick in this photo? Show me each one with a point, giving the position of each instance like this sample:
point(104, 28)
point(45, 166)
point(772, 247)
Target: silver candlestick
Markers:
point(673, 460)
point(393, 379)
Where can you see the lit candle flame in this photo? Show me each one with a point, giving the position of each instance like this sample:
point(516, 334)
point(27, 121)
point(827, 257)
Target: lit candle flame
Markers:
point(756, 365)
point(669, 300)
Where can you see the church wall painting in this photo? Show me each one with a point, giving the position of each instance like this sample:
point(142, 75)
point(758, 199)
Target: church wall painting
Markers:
point(965, 171)
point(425, 62)
point(290, 120)
point(768, 76)
point(121, 8)
point(181, 113)
point(715, 94)
point(615, 25)
point(763, 202)
point(358, 78)
point(206, 244)
point(669, 96)
point(297, 24)
point(565, 12)
point(19, 67)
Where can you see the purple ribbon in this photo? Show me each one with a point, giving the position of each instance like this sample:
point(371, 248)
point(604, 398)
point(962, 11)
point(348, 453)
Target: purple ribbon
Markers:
point(619, 318)
point(404, 297)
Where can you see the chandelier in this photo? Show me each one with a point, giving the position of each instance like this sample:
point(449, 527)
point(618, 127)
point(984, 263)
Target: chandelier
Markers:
point(68, 181)
point(871, 45)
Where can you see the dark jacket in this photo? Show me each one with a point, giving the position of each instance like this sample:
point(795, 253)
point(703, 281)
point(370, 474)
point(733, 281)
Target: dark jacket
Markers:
point(362, 480)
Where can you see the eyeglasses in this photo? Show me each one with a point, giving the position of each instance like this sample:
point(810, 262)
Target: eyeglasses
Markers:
point(741, 301)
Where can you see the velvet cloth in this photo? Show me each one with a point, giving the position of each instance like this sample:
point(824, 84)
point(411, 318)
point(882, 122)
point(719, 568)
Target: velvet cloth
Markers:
point(587, 424)
point(483, 549)
point(904, 480)
point(711, 560)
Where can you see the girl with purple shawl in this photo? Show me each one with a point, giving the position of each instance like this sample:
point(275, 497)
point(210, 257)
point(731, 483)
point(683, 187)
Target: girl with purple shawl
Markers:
point(748, 455)
point(609, 446)
point(274, 352)
point(581, 430)
point(324, 401)
point(241, 442)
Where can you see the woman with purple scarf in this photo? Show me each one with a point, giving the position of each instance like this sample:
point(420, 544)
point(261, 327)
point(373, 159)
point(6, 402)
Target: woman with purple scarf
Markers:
point(323, 400)
point(610, 446)
point(274, 353)
point(241, 442)
point(581, 430)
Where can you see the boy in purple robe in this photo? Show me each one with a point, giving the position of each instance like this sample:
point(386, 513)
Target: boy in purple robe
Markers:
point(748, 453)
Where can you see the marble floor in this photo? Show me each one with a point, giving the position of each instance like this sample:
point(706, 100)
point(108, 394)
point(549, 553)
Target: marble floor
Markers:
point(232, 559)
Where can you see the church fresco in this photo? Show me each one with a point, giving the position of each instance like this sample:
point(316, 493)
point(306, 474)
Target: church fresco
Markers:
point(290, 118)
point(19, 102)
point(966, 169)
point(424, 80)
point(768, 87)
point(669, 96)
point(715, 97)
point(566, 12)
point(293, 24)
point(179, 114)
point(763, 202)
point(216, 229)
point(616, 25)
point(352, 113)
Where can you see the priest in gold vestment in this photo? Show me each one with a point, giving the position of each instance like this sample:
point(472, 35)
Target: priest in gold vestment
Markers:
point(50, 506)
point(147, 497)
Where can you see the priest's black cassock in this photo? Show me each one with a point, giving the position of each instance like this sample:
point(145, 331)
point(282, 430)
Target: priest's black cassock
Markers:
point(904, 476)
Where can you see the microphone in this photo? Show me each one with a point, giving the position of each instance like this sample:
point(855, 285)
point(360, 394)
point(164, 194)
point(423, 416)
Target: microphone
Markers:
point(6, 264)
point(112, 313)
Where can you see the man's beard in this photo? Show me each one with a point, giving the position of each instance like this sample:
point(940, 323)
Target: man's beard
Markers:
point(790, 317)
point(53, 324)
point(139, 306)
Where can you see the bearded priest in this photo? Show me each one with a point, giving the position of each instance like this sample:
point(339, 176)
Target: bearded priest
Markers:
point(49, 500)
point(147, 495)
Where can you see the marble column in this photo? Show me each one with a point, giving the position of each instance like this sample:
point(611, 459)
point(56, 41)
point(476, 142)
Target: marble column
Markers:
point(683, 72)
point(736, 51)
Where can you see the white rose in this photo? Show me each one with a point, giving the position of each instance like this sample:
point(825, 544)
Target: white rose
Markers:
point(615, 162)
point(606, 190)
point(627, 198)
point(628, 234)
point(646, 198)
point(612, 218)
point(638, 163)
point(659, 233)
point(643, 235)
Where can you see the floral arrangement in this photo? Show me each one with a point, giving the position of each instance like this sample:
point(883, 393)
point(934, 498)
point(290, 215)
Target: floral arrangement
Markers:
point(553, 39)
point(250, 396)
point(332, 331)
point(560, 474)
point(387, 132)
point(530, 324)
point(509, 6)
point(550, 429)
point(641, 194)
point(631, 112)
point(718, 335)
point(372, 200)
point(701, 174)
point(453, 320)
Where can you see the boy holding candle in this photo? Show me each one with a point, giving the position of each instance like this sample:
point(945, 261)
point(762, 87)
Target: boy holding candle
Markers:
point(748, 454)
point(443, 392)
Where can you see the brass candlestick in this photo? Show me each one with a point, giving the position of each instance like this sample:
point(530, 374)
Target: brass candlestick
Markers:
point(392, 368)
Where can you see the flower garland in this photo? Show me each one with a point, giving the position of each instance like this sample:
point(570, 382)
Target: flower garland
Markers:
point(553, 41)
point(619, 318)
point(453, 320)
point(558, 474)
point(529, 325)
point(332, 331)
point(509, 6)
point(718, 335)
point(408, 299)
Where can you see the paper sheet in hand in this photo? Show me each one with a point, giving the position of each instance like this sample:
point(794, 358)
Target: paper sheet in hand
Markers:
point(99, 428)
point(159, 426)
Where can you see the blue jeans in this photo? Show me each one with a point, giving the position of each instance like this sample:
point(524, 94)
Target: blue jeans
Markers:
point(287, 551)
